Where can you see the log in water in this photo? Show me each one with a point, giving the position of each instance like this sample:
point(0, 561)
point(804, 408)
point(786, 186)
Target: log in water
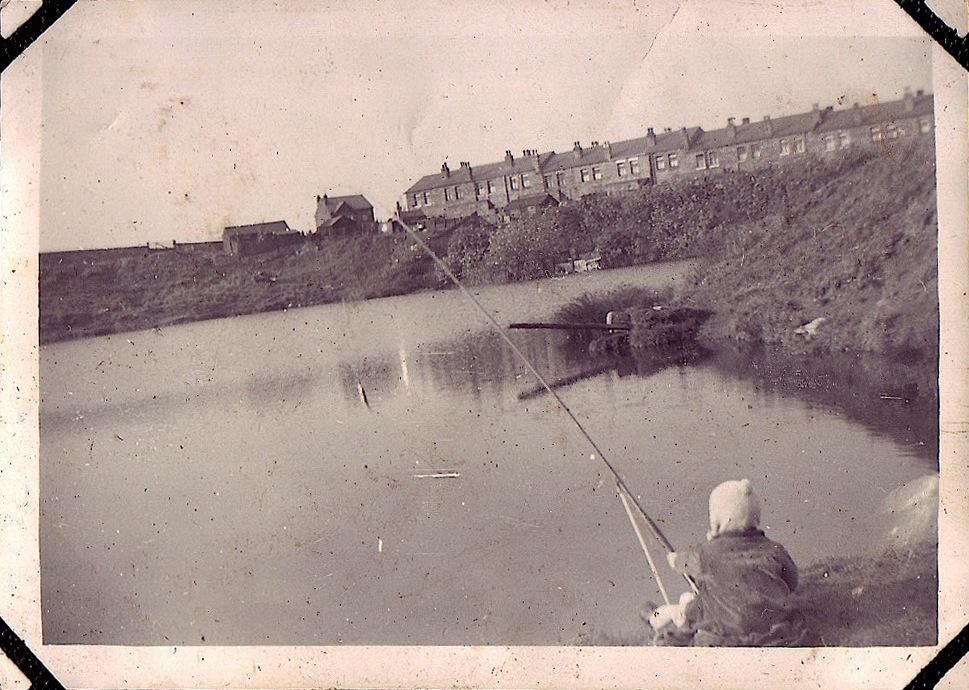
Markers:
point(570, 326)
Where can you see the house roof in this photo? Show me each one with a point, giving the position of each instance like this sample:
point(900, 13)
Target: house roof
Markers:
point(276, 227)
point(485, 171)
point(689, 138)
point(878, 112)
point(338, 220)
point(550, 161)
point(357, 202)
point(529, 201)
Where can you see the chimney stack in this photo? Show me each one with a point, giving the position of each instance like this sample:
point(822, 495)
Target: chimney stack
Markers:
point(466, 164)
point(919, 93)
point(745, 121)
point(909, 100)
point(731, 127)
point(446, 171)
point(770, 125)
point(650, 136)
point(856, 112)
point(608, 147)
point(577, 149)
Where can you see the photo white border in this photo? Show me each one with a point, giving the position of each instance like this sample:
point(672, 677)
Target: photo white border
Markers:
point(559, 667)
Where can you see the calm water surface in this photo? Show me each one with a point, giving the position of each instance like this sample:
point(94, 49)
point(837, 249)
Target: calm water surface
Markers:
point(224, 482)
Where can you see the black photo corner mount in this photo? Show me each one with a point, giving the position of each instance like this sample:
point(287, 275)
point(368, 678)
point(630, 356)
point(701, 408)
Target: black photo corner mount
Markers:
point(51, 10)
point(28, 32)
point(943, 34)
point(33, 668)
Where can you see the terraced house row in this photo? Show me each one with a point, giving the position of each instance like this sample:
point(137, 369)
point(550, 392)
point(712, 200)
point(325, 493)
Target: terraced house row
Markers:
point(517, 185)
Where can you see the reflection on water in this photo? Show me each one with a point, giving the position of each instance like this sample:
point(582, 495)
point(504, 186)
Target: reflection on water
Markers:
point(272, 479)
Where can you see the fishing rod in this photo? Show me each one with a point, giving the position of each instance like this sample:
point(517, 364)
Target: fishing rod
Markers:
point(620, 482)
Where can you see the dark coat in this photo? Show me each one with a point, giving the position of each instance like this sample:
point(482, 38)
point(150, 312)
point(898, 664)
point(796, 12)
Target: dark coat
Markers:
point(745, 581)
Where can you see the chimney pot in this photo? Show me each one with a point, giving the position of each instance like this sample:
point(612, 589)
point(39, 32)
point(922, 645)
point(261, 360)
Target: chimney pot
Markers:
point(445, 170)
point(730, 121)
point(745, 121)
point(649, 130)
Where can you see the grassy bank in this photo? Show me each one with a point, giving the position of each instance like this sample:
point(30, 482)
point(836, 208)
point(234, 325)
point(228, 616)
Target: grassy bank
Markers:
point(850, 239)
point(871, 600)
point(97, 297)
point(857, 250)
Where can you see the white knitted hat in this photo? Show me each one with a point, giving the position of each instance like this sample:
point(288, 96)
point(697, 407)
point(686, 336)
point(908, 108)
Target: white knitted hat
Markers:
point(734, 507)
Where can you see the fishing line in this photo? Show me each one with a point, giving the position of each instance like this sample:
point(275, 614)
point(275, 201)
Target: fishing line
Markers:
point(620, 483)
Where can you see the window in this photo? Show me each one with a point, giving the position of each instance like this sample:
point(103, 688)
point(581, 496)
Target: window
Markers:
point(447, 194)
point(513, 182)
point(547, 181)
point(480, 189)
point(713, 159)
point(844, 140)
point(633, 166)
point(560, 179)
point(925, 125)
point(799, 145)
point(876, 133)
point(756, 150)
point(491, 186)
point(891, 131)
point(414, 201)
point(701, 162)
point(584, 174)
point(742, 153)
point(785, 147)
point(596, 173)
point(427, 198)
point(830, 143)
point(674, 161)
point(620, 168)
point(457, 193)
point(661, 162)
point(526, 181)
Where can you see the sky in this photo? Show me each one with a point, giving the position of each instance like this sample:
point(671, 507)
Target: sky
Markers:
point(170, 120)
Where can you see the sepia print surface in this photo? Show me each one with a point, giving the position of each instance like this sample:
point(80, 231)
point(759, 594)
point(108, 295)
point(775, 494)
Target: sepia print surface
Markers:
point(268, 417)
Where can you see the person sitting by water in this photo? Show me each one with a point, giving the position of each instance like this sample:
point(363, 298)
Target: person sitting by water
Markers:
point(744, 582)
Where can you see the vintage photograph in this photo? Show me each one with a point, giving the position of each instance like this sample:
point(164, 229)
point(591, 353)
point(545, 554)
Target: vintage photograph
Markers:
point(448, 324)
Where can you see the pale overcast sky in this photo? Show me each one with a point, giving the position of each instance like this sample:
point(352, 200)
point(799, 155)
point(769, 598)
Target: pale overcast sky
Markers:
point(169, 120)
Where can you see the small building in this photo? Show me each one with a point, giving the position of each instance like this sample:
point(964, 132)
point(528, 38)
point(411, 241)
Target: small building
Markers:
point(344, 214)
point(527, 206)
point(245, 240)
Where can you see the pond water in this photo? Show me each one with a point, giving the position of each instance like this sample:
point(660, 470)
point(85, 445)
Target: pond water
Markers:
point(272, 479)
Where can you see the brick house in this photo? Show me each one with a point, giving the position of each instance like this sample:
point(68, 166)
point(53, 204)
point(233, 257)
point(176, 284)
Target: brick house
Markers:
point(245, 240)
point(623, 166)
point(341, 214)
